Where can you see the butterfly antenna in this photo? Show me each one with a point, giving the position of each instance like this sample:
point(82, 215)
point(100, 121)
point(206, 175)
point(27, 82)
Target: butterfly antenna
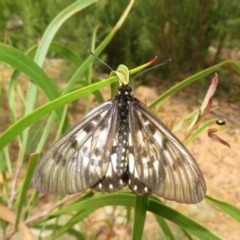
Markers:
point(100, 60)
point(165, 62)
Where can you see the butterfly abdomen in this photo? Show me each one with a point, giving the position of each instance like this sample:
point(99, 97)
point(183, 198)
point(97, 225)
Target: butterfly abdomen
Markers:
point(123, 99)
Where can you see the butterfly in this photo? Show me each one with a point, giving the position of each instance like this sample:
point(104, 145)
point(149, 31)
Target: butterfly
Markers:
point(121, 142)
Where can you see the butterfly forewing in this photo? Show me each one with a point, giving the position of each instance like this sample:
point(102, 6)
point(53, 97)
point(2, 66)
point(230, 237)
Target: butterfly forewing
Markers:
point(159, 161)
point(81, 158)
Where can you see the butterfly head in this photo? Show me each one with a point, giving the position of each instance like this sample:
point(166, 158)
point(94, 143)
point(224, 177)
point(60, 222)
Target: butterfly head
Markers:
point(124, 90)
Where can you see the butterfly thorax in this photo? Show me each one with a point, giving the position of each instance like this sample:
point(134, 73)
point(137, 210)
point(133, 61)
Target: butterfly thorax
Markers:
point(123, 98)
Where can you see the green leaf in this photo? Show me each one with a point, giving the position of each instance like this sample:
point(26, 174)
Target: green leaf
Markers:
point(26, 65)
point(15, 129)
point(194, 78)
point(140, 211)
point(164, 226)
point(200, 130)
point(99, 49)
point(36, 114)
point(84, 208)
point(122, 73)
point(181, 220)
point(26, 183)
point(41, 53)
point(187, 234)
point(228, 208)
point(59, 48)
point(54, 26)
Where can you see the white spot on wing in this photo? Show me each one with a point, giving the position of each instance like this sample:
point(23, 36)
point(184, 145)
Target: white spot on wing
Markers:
point(145, 167)
point(140, 136)
point(146, 123)
point(131, 163)
point(85, 164)
point(156, 167)
point(80, 136)
point(158, 137)
point(94, 122)
point(112, 164)
point(168, 157)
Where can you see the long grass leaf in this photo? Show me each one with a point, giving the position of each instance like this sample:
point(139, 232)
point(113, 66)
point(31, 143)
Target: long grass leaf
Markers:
point(140, 211)
point(228, 208)
point(194, 78)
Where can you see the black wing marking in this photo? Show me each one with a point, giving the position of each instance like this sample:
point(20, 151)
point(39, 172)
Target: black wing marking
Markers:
point(80, 158)
point(158, 162)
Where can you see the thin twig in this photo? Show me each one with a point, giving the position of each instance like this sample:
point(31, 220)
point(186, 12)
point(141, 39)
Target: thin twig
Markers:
point(46, 212)
point(14, 182)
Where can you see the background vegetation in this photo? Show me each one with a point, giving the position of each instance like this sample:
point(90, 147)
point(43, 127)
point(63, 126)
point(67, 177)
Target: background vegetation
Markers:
point(192, 33)
point(186, 31)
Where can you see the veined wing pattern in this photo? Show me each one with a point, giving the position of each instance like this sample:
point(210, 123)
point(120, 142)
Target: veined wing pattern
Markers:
point(118, 143)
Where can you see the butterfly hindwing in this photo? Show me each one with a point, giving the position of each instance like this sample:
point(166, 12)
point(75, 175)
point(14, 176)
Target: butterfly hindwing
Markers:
point(159, 161)
point(111, 182)
point(145, 168)
point(81, 157)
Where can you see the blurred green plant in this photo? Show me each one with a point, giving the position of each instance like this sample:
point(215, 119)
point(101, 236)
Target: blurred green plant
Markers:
point(188, 32)
point(19, 208)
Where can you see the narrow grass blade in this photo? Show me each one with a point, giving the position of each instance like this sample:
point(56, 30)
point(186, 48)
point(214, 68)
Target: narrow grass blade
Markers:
point(21, 197)
point(140, 211)
point(55, 25)
point(99, 49)
point(84, 208)
point(200, 130)
point(228, 208)
point(26, 65)
point(187, 234)
point(194, 78)
point(47, 38)
point(165, 228)
point(182, 221)
point(35, 115)
point(3, 169)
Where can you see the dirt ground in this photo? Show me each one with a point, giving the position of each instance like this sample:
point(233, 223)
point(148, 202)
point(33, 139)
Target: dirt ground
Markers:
point(219, 164)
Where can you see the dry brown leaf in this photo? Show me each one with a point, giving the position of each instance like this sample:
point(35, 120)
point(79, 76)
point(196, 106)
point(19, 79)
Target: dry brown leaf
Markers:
point(10, 216)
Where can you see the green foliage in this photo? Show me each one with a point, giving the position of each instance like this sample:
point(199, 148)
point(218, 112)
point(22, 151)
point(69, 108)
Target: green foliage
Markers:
point(184, 31)
point(19, 208)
